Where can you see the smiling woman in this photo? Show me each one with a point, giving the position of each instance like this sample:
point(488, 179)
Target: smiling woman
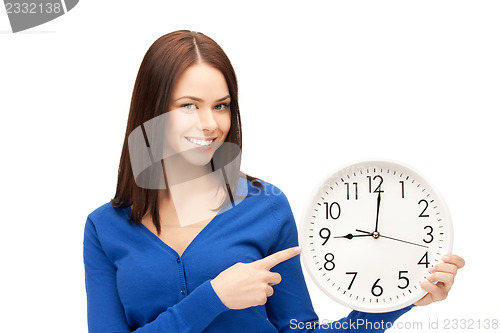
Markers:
point(188, 76)
point(189, 243)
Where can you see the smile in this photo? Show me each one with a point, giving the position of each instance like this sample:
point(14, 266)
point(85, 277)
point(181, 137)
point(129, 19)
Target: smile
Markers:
point(200, 142)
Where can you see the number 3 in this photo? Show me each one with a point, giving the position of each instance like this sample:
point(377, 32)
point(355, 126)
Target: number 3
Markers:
point(429, 234)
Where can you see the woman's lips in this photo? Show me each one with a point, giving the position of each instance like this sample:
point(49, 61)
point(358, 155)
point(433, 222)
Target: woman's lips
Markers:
point(201, 143)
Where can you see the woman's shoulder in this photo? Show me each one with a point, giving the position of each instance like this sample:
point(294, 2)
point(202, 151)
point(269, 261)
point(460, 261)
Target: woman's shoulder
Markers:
point(268, 188)
point(269, 194)
point(255, 185)
point(273, 211)
point(106, 214)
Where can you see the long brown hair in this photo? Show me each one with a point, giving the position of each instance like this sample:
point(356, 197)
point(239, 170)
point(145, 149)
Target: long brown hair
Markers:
point(167, 58)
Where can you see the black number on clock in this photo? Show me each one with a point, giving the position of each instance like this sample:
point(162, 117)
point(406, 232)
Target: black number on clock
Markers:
point(402, 182)
point(426, 205)
point(376, 289)
point(429, 234)
point(355, 191)
point(327, 237)
point(354, 277)
point(426, 262)
point(378, 188)
point(329, 212)
point(329, 264)
point(401, 277)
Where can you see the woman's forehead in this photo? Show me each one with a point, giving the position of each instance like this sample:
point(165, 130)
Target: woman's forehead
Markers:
point(201, 81)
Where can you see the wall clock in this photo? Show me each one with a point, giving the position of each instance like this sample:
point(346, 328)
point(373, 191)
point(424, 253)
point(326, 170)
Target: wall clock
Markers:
point(371, 231)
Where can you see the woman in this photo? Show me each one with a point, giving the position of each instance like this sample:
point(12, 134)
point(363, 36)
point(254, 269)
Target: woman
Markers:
point(189, 243)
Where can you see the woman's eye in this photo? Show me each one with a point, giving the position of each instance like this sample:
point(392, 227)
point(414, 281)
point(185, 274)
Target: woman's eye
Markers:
point(220, 107)
point(189, 106)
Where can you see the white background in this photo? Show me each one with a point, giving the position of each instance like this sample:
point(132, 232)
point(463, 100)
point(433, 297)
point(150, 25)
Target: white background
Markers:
point(322, 84)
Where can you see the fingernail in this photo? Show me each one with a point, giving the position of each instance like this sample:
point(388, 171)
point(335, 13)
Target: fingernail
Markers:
point(297, 249)
point(446, 258)
point(432, 269)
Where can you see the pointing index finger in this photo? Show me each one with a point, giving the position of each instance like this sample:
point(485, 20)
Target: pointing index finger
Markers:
point(280, 256)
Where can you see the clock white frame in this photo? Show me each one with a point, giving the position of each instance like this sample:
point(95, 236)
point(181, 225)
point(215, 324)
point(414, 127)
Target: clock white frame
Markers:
point(305, 241)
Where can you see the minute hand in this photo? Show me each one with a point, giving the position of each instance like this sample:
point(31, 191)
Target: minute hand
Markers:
point(378, 211)
point(399, 240)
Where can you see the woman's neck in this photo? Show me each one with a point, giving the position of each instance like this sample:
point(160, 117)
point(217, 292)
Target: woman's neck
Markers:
point(192, 195)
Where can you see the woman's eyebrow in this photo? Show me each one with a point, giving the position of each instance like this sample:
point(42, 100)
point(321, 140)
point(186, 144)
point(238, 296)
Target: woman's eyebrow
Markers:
point(201, 100)
point(190, 97)
point(223, 98)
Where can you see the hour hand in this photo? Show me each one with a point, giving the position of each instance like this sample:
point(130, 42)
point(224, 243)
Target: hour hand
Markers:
point(351, 236)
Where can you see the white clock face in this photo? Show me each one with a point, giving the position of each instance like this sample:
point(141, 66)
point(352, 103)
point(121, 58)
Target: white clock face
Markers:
point(370, 234)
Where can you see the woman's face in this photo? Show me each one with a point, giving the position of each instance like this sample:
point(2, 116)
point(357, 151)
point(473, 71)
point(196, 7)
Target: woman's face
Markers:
point(199, 114)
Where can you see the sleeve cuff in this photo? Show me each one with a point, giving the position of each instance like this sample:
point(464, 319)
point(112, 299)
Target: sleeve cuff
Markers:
point(203, 307)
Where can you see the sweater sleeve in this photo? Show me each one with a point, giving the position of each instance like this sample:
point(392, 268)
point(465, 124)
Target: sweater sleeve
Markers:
point(105, 312)
point(290, 309)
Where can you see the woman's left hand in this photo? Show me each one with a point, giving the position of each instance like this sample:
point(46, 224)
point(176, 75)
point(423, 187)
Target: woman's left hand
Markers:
point(444, 274)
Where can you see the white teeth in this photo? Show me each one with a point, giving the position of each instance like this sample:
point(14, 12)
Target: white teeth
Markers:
point(200, 142)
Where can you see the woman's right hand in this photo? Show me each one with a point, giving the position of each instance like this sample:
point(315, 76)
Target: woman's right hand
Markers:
point(244, 285)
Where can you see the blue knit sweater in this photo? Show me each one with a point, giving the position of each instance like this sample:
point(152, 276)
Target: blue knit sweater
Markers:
point(137, 283)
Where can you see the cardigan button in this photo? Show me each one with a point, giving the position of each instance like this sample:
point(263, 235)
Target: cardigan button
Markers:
point(182, 291)
point(178, 260)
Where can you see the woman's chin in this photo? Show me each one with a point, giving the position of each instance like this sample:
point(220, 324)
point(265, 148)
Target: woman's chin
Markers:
point(197, 157)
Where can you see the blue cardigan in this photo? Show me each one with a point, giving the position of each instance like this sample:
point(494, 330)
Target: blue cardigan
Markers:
point(137, 283)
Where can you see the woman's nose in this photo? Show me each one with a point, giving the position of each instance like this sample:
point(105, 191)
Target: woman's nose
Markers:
point(207, 120)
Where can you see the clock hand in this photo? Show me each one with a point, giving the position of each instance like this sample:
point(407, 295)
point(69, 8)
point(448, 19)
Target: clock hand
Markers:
point(400, 240)
point(377, 235)
point(351, 236)
point(378, 211)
